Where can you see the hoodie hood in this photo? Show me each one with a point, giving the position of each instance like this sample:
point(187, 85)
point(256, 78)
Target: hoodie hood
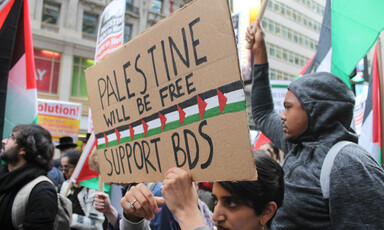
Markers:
point(329, 105)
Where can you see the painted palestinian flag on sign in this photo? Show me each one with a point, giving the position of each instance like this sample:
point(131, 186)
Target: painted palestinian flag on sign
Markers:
point(18, 96)
point(349, 30)
point(226, 99)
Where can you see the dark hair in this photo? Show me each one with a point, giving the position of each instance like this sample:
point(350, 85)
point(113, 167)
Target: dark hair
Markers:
point(37, 144)
point(73, 156)
point(268, 187)
point(275, 149)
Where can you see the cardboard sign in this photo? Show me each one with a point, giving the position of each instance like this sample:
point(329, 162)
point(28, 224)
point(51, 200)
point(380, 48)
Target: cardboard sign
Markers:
point(172, 97)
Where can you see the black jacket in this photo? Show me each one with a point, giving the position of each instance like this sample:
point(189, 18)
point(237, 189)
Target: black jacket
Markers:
point(41, 209)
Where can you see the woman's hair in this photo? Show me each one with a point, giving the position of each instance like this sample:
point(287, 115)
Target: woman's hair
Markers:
point(268, 187)
point(275, 149)
point(73, 156)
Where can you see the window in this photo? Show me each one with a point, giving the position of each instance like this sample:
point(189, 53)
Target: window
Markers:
point(278, 52)
point(272, 51)
point(264, 23)
point(290, 58)
point(289, 34)
point(127, 32)
point(157, 6)
point(295, 38)
point(90, 23)
point(79, 86)
point(289, 13)
point(296, 60)
point(273, 75)
point(276, 7)
point(271, 27)
point(277, 30)
point(283, 32)
point(285, 55)
point(51, 12)
point(47, 64)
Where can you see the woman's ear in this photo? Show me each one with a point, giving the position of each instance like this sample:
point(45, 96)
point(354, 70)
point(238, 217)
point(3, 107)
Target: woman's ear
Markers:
point(268, 213)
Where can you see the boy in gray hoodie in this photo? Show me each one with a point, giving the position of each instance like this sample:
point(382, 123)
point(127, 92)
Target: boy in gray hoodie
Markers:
point(318, 113)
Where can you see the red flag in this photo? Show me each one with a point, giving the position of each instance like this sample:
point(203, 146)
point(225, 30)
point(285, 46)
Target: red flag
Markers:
point(18, 96)
point(260, 140)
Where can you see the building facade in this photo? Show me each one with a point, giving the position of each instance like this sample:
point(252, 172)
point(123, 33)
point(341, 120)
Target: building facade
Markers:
point(64, 38)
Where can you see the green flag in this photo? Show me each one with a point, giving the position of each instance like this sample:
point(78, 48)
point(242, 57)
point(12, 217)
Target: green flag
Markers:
point(355, 26)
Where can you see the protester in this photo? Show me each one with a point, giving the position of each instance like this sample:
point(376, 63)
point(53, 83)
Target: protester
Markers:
point(103, 202)
point(272, 150)
point(84, 216)
point(28, 154)
point(65, 144)
point(318, 113)
point(84, 140)
point(238, 205)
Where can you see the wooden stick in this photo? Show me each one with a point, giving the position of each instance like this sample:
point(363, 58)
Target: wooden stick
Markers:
point(101, 184)
point(381, 92)
point(68, 188)
point(259, 16)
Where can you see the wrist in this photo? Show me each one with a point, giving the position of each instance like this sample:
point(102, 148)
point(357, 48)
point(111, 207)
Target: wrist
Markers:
point(190, 219)
point(132, 218)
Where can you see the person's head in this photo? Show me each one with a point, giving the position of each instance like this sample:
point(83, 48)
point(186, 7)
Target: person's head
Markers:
point(65, 144)
point(84, 140)
point(316, 104)
point(28, 143)
point(69, 161)
point(272, 149)
point(250, 204)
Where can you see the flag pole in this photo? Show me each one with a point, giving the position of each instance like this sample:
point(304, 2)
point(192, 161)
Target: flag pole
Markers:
point(101, 184)
point(259, 16)
point(70, 184)
point(381, 93)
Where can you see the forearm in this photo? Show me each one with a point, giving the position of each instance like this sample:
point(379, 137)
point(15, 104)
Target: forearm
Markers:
point(264, 116)
point(261, 96)
point(190, 220)
point(112, 215)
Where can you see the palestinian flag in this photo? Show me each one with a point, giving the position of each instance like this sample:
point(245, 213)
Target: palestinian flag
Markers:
point(349, 30)
point(225, 99)
point(18, 96)
point(82, 174)
point(260, 140)
point(370, 137)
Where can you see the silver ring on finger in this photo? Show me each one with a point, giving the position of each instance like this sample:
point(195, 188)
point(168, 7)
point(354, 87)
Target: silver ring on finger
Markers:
point(131, 204)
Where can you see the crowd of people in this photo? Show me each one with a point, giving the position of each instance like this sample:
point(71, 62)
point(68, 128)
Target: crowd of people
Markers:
point(298, 195)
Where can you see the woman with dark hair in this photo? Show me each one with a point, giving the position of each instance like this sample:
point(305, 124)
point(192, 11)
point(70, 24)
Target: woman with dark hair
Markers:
point(84, 216)
point(258, 199)
point(238, 205)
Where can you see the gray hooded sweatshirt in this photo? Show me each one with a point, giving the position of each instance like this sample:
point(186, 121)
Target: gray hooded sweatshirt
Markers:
point(356, 199)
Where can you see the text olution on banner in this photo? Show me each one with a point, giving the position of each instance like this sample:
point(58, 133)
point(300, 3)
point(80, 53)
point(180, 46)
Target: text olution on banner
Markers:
point(173, 97)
